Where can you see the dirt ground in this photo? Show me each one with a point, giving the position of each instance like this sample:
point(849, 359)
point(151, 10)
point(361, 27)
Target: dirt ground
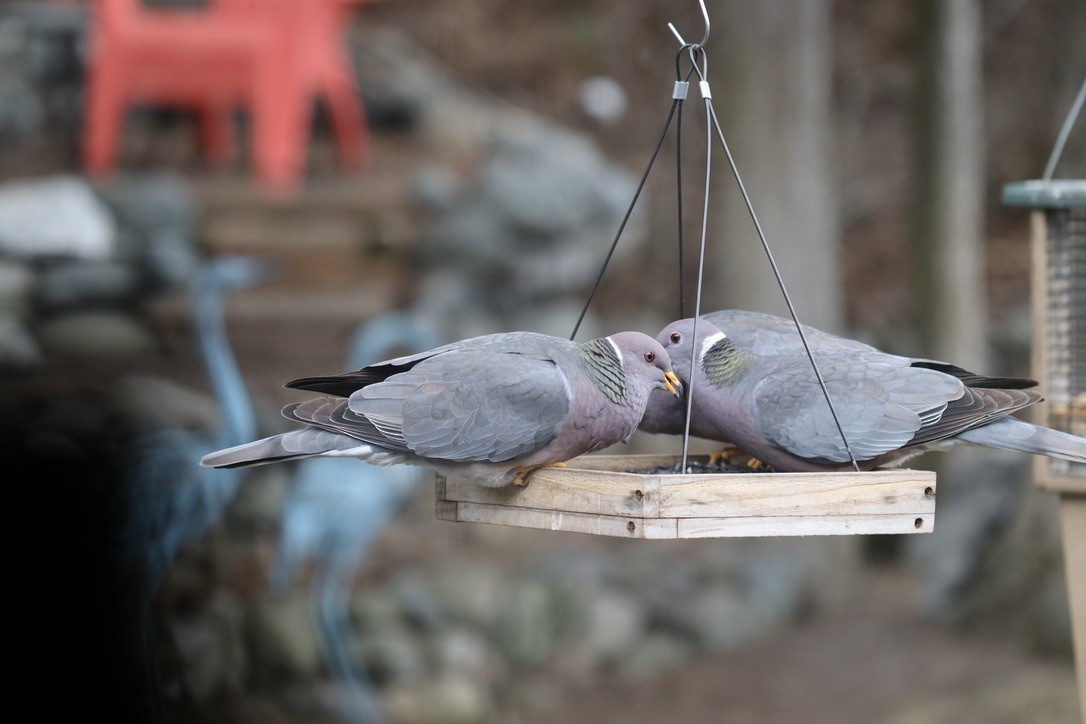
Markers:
point(878, 662)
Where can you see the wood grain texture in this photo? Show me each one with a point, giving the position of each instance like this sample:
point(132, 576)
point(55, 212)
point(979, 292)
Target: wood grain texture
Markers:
point(605, 495)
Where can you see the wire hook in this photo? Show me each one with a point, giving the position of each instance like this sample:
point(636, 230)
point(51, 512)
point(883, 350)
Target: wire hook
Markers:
point(704, 38)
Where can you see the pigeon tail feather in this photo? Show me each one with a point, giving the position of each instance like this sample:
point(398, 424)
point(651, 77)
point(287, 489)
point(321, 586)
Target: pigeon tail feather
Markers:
point(1010, 433)
point(273, 450)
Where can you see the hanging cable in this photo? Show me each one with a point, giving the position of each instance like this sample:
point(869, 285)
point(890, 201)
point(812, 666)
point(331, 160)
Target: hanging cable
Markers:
point(696, 53)
point(713, 123)
point(1065, 131)
point(678, 95)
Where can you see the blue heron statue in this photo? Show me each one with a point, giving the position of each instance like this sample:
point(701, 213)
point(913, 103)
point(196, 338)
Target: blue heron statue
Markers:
point(168, 499)
point(335, 510)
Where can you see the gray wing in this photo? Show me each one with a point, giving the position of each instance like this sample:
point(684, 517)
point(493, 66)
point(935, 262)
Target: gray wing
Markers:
point(469, 405)
point(881, 406)
point(345, 383)
point(767, 334)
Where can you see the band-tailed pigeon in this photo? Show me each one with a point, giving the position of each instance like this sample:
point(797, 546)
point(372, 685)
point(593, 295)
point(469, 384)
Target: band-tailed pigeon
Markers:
point(488, 409)
point(767, 334)
point(890, 407)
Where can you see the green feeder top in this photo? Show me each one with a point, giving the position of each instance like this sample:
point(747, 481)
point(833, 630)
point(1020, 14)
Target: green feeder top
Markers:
point(1039, 194)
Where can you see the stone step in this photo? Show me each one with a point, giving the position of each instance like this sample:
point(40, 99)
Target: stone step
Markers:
point(347, 305)
point(340, 230)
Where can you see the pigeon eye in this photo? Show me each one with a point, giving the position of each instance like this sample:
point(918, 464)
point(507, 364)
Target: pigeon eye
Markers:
point(675, 338)
point(650, 357)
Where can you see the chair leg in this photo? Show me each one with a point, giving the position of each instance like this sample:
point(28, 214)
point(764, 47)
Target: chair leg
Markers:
point(281, 118)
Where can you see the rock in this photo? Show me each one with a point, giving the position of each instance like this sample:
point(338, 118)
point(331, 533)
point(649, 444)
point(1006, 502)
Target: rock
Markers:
point(170, 257)
point(981, 491)
point(1047, 628)
point(437, 187)
point(776, 582)
point(146, 202)
point(18, 348)
point(471, 239)
point(394, 656)
point(210, 649)
point(17, 282)
point(452, 699)
point(72, 283)
point(419, 601)
point(603, 99)
point(537, 221)
point(474, 592)
point(159, 222)
point(724, 620)
point(614, 623)
point(543, 187)
point(281, 640)
point(464, 651)
point(162, 402)
point(56, 216)
point(654, 655)
point(259, 503)
point(94, 334)
point(376, 610)
point(20, 108)
point(527, 628)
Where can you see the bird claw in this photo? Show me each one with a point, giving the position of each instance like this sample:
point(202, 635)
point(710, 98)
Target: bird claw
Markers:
point(732, 455)
point(723, 455)
point(521, 478)
point(756, 464)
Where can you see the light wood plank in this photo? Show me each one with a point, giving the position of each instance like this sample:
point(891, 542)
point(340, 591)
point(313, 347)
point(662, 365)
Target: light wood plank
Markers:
point(586, 486)
point(563, 521)
point(773, 526)
point(447, 510)
point(595, 494)
point(667, 528)
point(764, 494)
point(578, 491)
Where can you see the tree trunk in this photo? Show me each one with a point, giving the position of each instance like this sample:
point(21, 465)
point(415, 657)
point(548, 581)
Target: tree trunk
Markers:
point(771, 78)
point(949, 292)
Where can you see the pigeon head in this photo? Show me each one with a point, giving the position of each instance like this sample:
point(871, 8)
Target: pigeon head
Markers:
point(641, 363)
point(689, 340)
point(665, 414)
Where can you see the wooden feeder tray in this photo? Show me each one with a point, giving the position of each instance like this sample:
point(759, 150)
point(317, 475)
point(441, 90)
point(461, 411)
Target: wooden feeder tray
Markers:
point(623, 496)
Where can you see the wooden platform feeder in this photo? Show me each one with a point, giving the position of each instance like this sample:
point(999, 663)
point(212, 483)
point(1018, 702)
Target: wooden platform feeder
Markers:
point(636, 496)
point(1058, 244)
point(623, 496)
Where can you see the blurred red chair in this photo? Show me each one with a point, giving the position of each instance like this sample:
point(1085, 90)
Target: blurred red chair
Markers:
point(271, 58)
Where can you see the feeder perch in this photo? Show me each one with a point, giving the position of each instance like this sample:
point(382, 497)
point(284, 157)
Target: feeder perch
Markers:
point(1058, 241)
point(622, 496)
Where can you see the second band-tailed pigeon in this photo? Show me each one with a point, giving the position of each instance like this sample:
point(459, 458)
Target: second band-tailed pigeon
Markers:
point(890, 407)
point(767, 334)
point(488, 409)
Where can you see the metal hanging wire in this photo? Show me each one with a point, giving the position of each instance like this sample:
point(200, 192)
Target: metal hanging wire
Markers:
point(1065, 131)
point(699, 66)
